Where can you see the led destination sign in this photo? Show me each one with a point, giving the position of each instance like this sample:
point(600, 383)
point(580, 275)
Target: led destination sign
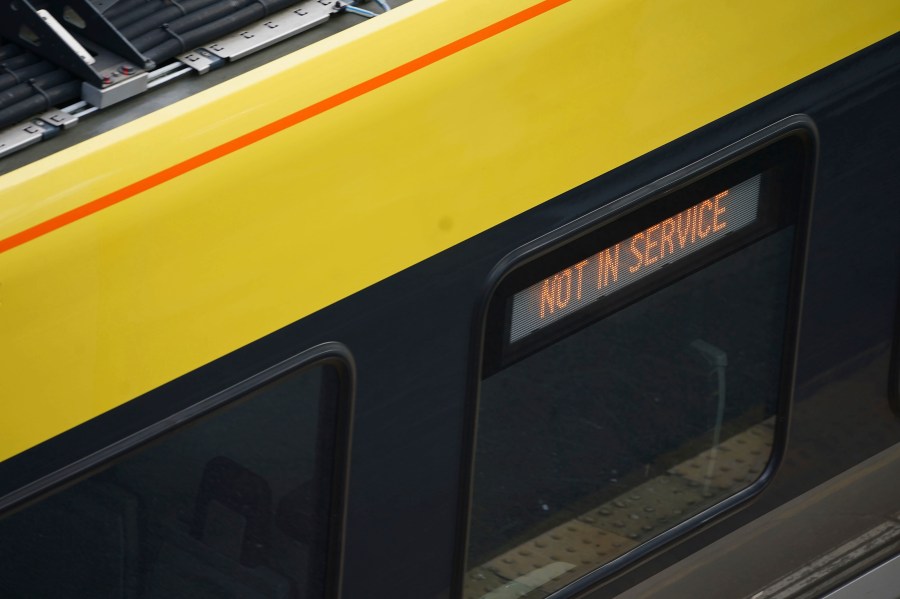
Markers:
point(615, 267)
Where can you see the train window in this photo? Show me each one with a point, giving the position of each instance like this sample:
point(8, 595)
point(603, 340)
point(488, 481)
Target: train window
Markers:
point(634, 374)
point(241, 502)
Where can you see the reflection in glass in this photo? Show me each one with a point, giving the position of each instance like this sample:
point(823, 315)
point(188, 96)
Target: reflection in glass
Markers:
point(605, 439)
point(233, 505)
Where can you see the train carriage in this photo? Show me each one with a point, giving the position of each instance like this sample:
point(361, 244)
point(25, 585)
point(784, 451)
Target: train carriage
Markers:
point(449, 299)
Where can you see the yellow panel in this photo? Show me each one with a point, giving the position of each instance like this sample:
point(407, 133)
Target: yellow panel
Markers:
point(122, 301)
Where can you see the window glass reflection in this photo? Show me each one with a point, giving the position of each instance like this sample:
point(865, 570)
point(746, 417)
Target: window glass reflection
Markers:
point(233, 505)
point(605, 439)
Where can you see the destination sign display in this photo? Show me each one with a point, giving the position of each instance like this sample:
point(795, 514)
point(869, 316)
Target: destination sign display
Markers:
point(613, 268)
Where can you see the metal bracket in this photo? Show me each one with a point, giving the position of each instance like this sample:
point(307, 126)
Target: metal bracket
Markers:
point(44, 126)
point(58, 118)
point(19, 137)
point(90, 23)
point(201, 60)
point(21, 23)
point(262, 34)
point(115, 93)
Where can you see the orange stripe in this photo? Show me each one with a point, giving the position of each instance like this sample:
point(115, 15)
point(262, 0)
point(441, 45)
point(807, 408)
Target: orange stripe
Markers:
point(272, 128)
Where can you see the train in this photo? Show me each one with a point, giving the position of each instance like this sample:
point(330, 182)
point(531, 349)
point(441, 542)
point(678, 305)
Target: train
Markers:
point(449, 299)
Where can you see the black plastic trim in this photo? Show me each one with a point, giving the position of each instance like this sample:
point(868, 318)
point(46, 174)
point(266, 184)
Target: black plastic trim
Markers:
point(893, 391)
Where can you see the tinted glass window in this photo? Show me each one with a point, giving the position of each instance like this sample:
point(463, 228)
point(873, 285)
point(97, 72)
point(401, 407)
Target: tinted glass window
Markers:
point(611, 408)
point(606, 438)
point(235, 504)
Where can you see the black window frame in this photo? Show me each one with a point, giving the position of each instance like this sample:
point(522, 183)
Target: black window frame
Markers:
point(894, 368)
point(611, 223)
point(331, 354)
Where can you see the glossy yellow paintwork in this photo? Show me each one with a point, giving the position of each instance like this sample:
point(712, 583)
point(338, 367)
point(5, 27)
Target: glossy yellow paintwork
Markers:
point(118, 303)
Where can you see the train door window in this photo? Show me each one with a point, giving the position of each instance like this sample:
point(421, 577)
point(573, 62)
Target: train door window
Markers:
point(243, 501)
point(635, 374)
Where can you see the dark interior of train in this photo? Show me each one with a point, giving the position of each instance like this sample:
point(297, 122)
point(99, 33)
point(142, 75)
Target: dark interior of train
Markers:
point(608, 437)
point(229, 506)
